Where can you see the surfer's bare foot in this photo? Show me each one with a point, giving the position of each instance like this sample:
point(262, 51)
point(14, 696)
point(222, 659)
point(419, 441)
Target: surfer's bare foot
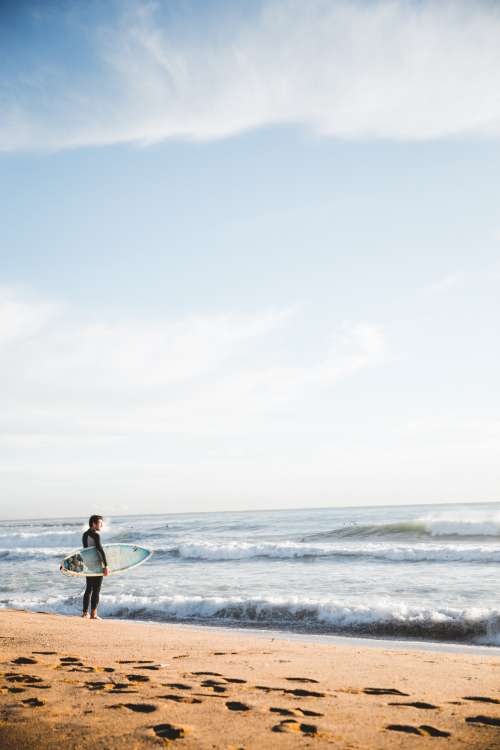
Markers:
point(94, 616)
point(85, 614)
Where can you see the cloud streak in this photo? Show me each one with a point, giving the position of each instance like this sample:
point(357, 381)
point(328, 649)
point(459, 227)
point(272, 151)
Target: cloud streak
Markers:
point(196, 375)
point(389, 69)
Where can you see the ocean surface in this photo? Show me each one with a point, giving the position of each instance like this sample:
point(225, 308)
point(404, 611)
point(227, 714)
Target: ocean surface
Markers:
point(413, 572)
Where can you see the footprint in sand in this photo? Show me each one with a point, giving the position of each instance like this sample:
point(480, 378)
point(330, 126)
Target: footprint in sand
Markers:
point(111, 687)
point(306, 712)
point(210, 695)
point(45, 653)
point(177, 686)
point(404, 728)
point(33, 702)
point(296, 711)
point(81, 668)
point(71, 660)
point(122, 688)
point(138, 678)
point(26, 678)
point(481, 699)
point(214, 685)
point(301, 693)
point(423, 729)
point(169, 731)
point(237, 706)
point(268, 689)
point(16, 690)
point(491, 721)
point(207, 674)
point(24, 660)
point(142, 708)
point(236, 680)
point(301, 679)
point(290, 725)
point(135, 661)
point(383, 691)
point(96, 685)
point(416, 704)
point(212, 682)
point(433, 732)
point(180, 698)
point(282, 711)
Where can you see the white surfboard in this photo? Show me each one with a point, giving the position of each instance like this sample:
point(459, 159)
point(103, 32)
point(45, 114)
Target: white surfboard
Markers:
point(120, 557)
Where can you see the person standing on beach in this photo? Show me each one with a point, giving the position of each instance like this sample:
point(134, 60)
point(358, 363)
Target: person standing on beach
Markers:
point(92, 538)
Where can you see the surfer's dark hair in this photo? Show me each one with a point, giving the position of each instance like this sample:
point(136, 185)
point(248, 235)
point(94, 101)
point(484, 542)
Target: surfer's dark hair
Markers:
point(94, 519)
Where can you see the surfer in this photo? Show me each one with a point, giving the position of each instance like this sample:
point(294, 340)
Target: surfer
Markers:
point(92, 538)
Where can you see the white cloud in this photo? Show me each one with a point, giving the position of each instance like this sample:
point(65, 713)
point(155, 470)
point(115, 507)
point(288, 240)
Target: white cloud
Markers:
point(385, 69)
point(197, 376)
point(21, 316)
point(450, 282)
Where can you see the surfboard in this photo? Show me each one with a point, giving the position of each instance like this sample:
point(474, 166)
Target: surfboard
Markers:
point(120, 557)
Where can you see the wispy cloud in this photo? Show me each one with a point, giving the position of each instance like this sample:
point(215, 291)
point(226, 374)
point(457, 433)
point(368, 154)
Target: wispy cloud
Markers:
point(22, 316)
point(450, 282)
point(390, 69)
point(61, 375)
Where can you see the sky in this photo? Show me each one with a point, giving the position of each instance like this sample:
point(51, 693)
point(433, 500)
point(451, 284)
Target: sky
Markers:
point(249, 255)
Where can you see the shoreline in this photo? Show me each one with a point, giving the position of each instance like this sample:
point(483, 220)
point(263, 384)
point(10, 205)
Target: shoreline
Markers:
point(333, 639)
point(73, 683)
point(367, 641)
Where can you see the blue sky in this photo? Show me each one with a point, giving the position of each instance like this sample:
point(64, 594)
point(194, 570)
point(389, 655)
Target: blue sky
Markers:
point(250, 255)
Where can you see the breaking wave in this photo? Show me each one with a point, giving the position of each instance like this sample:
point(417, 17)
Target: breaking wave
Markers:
point(221, 551)
point(429, 527)
point(61, 537)
point(19, 554)
point(329, 616)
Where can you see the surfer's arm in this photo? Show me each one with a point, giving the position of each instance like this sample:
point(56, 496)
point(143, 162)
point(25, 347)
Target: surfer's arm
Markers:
point(97, 539)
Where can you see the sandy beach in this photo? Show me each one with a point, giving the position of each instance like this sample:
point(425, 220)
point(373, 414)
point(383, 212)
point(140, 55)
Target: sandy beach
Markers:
point(71, 683)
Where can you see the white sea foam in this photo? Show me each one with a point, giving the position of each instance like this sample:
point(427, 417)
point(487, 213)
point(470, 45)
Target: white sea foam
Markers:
point(383, 617)
point(220, 551)
point(476, 525)
point(41, 538)
point(18, 554)
point(427, 526)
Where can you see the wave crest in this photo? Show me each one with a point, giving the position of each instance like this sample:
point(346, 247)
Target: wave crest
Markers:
point(329, 616)
point(421, 528)
point(421, 552)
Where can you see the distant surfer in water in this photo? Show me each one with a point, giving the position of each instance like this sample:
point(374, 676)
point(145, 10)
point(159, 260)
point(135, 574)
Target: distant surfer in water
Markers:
point(92, 538)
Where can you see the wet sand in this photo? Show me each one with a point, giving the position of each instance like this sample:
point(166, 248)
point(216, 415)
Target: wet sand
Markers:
point(69, 683)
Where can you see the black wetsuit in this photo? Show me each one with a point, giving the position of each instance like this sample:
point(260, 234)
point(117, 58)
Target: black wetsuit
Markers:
point(91, 538)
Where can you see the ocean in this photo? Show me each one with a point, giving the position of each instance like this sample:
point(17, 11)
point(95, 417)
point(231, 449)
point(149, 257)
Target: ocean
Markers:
point(423, 572)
